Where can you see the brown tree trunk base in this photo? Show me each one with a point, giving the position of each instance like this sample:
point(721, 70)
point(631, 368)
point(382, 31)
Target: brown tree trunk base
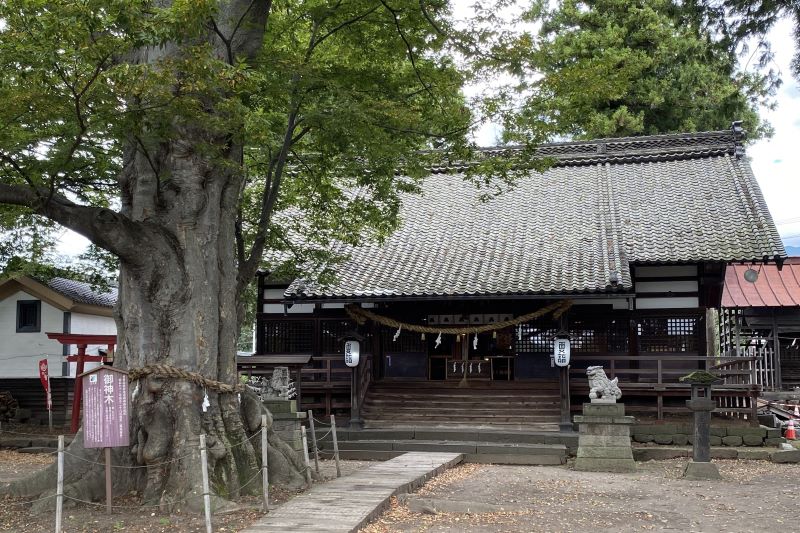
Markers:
point(163, 461)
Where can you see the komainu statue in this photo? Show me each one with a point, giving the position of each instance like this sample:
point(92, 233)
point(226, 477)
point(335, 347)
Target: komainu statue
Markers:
point(600, 387)
point(277, 387)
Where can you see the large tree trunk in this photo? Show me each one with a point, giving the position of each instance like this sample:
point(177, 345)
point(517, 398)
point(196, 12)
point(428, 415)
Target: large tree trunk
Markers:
point(179, 305)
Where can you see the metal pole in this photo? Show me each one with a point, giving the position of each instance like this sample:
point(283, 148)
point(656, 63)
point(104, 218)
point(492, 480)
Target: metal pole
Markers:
point(206, 494)
point(264, 462)
point(108, 480)
point(335, 446)
point(305, 455)
point(314, 440)
point(60, 483)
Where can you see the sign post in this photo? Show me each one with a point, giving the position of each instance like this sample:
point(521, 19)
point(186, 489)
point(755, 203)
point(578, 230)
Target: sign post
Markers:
point(105, 414)
point(44, 377)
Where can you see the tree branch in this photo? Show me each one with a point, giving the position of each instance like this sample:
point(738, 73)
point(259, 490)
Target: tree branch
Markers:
point(104, 227)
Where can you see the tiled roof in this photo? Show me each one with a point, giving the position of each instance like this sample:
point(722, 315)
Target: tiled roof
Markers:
point(575, 228)
point(80, 292)
point(773, 288)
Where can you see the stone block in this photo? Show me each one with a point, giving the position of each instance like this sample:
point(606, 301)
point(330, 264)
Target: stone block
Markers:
point(626, 420)
point(724, 453)
point(752, 440)
point(753, 455)
point(680, 439)
point(742, 431)
point(768, 420)
point(789, 456)
point(643, 437)
point(732, 440)
point(15, 442)
point(700, 471)
point(281, 406)
point(773, 433)
point(605, 452)
point(690, 438)
point(595, 429)
point(715, 440)
point(774, 441)
point(608, 409)
point(514, 459)
point(604, 440)
point(590, 464)
point(659, 453)
point(663, 438)
point(719, 431)
point(656, 429)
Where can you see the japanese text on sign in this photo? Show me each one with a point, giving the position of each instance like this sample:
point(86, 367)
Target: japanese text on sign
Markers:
point(561, 353)
point(105, 409)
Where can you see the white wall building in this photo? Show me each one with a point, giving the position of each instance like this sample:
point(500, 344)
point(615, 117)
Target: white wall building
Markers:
point(29, 309)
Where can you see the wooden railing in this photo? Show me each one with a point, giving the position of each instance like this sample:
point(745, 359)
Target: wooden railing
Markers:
point(650, 374)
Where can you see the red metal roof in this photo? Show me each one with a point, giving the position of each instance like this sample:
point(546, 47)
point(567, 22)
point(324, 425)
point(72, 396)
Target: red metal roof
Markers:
point(773, 288)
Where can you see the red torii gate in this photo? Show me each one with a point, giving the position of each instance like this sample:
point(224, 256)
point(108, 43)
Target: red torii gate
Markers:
point(82, 341)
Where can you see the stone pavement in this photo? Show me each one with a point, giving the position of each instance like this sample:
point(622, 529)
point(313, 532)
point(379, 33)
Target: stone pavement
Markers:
point(349, 503)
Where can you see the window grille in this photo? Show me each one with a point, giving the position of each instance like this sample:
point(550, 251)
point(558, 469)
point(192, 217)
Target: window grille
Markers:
point(669, 334)
point(407, 342)
point(599, 335)
point(287, 336)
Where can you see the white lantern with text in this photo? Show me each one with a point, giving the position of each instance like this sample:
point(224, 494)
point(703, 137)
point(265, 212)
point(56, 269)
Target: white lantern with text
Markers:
point(561, 351)
point(351, 353)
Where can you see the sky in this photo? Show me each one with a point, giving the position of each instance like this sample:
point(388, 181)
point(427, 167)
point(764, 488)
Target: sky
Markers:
point(775, 161)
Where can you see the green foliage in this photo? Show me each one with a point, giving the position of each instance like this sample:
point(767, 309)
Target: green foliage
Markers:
point(610, 68)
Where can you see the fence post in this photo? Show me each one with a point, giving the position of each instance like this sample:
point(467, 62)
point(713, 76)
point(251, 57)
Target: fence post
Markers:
point(204, 469)
point(335, 446)
point(314, 440)
point(60, 483)
point(305, 455)
point(264, 462)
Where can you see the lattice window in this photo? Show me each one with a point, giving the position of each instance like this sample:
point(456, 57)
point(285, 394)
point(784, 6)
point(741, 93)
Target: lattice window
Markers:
point(669, 334)
point(407, 342)
point(534, 337)
point(598, 335)
point(333, 332)
point(287, 336)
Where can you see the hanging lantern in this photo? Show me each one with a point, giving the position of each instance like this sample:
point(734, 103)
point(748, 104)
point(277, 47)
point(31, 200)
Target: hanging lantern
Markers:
point(352, 351)
point(561, 351)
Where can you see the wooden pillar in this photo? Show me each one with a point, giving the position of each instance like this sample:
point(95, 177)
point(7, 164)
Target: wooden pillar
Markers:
point(565, 423)
point(355, 411)
point(76, 397)
point(777, 345)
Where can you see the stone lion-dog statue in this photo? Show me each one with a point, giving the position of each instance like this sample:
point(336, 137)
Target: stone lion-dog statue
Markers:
point(600, 387)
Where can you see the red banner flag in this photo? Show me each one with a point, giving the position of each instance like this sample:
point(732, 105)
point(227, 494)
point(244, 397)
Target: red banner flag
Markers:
point(45, 378)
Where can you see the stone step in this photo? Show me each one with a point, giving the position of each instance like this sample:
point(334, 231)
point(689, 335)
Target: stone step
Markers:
point(479, 452)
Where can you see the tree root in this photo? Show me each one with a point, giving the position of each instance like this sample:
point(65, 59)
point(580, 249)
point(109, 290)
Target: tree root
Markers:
point(162, 462)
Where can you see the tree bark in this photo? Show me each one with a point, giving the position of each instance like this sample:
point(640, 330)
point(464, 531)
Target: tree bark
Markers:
point(179, 304)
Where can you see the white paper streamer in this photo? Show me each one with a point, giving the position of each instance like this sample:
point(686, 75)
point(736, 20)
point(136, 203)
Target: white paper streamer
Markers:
point(438, 341)
point(206, 404)
point(397, 333)
point(475, 342)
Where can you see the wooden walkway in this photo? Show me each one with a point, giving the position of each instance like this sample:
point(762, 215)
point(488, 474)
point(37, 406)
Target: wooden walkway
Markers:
point(349, 503)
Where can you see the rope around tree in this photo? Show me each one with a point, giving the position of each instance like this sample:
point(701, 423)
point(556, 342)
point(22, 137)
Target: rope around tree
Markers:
point(361, 315)
point(171, 372)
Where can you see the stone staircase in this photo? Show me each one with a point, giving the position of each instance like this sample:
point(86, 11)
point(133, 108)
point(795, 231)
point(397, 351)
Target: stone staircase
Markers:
point(495, 446)
point(490, 404)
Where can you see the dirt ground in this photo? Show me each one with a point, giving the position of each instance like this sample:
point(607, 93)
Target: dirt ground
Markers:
point(753, 496)
point(82, 518)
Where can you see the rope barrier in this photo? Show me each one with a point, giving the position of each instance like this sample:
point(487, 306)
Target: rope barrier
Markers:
point(361, 315)
point(130, 467)
point(171, 372)
point(43, 435)
point(6, 502)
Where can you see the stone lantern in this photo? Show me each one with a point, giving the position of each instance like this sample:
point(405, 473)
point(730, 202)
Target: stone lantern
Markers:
point(701, 467)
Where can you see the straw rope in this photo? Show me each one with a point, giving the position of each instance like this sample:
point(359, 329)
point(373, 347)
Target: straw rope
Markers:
point(361, 315)
point(171, 372)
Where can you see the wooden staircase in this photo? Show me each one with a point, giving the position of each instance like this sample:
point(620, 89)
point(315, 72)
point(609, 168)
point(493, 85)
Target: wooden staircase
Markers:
point(521, 405)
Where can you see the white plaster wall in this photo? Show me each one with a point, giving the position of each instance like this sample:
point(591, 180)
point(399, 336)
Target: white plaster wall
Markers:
point(90, 324)
point(20, 352)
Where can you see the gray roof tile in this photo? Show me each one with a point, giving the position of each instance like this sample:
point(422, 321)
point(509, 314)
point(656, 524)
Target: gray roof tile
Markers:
point(602, 206)
point(80, 292)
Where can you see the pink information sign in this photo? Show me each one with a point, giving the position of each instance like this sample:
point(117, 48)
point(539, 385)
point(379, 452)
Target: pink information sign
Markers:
point(105, 408)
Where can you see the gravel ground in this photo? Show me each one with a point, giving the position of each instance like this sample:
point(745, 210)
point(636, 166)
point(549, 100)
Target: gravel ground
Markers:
point(15, 517)
point(753, 496)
